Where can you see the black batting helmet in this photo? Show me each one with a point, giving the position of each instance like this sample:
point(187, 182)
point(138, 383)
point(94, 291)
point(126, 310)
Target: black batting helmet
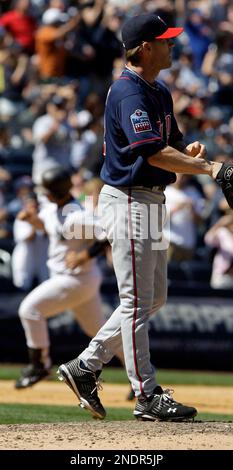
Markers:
point(56, 181)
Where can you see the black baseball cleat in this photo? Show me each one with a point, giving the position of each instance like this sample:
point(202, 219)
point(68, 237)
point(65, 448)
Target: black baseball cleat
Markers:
point(84, 383)
point(30, 375)
point(36, 371)
point(131, 395)
point(162, 407)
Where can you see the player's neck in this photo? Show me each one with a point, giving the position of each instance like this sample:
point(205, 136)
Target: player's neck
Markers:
point(146, 74)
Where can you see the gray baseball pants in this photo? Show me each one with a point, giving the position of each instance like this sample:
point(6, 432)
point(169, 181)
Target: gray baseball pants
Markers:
point(140, 263)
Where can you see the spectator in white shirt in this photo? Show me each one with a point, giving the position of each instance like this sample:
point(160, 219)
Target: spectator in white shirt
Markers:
point(220, 236)
point(185, 206)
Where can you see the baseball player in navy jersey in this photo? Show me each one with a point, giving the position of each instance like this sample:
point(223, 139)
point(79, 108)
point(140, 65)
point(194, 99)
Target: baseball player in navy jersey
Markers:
point(143, 150)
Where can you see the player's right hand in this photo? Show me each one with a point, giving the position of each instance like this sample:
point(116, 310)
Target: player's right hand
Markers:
point(196, 149)
point(74, 259)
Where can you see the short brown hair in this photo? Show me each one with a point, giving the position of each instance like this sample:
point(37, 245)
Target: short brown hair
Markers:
point(133, 55)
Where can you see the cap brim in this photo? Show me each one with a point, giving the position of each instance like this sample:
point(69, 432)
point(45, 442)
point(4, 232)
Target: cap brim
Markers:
point(170, 33)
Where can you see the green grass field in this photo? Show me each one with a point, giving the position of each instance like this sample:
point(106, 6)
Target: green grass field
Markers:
point(21, 413)
point(166, 377)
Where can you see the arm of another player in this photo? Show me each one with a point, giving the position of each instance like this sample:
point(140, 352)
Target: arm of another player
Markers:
point(74, 259)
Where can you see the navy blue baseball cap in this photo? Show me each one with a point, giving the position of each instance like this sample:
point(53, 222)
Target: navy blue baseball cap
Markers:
point(146, 27)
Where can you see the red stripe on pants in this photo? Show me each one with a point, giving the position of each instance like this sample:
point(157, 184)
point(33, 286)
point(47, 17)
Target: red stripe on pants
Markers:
point(134, 291)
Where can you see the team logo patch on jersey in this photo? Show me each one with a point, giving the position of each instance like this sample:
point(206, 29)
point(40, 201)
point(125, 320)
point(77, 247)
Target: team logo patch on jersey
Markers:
point(140, 121)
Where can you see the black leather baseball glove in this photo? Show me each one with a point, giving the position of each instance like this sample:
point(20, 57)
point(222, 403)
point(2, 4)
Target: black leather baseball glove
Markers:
point(225, 179)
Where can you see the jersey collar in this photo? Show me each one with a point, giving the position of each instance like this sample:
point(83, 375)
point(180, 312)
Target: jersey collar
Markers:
point(153, 87)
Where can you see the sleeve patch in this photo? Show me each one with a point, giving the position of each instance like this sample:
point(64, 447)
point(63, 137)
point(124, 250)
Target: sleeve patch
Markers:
point(140, 121)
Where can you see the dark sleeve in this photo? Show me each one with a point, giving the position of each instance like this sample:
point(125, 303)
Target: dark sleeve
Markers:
point(140, 126)
point(97, 248)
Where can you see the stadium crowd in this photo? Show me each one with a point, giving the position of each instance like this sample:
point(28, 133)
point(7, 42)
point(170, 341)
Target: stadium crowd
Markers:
point(57, 60)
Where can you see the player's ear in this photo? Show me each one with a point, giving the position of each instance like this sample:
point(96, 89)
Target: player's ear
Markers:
point(146, 46)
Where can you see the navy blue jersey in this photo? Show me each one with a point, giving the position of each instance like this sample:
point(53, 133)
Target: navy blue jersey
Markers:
point(139, 121)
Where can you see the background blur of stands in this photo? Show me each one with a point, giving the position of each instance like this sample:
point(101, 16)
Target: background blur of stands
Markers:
point(193, 331)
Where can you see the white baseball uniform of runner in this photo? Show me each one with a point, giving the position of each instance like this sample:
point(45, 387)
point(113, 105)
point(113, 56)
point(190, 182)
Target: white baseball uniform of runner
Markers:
point(76, 290)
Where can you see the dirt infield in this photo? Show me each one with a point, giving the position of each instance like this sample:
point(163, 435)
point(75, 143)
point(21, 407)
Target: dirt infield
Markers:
point(118, 435)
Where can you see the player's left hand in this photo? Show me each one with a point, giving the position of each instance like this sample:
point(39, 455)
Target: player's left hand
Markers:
point(196, 148)
point(74, 259)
